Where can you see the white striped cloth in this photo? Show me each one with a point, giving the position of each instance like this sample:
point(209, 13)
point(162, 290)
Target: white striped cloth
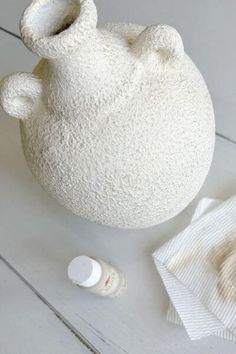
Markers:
point(198, 269)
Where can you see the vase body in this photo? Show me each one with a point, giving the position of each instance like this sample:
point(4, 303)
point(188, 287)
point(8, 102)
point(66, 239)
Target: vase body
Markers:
point(116, 122)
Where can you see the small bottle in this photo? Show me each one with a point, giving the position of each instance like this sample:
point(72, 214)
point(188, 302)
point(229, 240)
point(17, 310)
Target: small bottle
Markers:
point(96, 276)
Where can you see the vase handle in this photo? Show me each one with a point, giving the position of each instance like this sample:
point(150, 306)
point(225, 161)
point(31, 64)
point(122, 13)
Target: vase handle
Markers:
point(19, 93)
point(161, 39)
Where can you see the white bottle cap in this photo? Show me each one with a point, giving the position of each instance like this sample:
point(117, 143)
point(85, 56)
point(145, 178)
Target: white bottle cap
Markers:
point(84, 271)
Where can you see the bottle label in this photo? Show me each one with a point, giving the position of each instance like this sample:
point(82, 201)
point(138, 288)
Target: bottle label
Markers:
point(110, 282)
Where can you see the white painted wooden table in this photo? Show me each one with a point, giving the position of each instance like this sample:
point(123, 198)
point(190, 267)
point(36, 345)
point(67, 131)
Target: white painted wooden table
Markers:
point(40, 310)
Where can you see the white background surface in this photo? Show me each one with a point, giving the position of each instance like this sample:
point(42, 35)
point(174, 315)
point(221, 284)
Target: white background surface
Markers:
point(40, 309)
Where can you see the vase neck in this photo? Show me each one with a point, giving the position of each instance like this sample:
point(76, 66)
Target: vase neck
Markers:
point(54, 29)
point(103, 71)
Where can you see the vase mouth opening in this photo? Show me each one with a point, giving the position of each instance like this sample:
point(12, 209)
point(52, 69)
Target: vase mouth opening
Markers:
point(52, 28)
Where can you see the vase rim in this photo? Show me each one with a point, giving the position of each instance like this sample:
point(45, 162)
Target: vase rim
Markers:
point(42, 23)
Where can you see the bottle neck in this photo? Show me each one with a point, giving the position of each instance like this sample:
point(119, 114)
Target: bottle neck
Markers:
point(85, 271)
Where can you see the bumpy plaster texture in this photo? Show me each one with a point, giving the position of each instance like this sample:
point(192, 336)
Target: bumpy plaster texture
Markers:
point(117, 122)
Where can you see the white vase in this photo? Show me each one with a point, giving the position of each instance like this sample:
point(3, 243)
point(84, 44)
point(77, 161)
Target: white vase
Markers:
point(116, 122)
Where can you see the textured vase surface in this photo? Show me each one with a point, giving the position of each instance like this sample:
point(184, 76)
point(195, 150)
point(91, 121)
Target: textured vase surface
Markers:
point(116, 121)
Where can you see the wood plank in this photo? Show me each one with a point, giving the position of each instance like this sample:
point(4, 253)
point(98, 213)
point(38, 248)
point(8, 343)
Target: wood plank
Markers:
point(208, 30)
point(14, 56)
point(11, 12)
point(27, 325)
point(39, 238)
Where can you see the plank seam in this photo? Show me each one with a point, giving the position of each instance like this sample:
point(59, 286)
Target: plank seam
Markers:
point(11, 33)
point(222, 136)
point(61, 318)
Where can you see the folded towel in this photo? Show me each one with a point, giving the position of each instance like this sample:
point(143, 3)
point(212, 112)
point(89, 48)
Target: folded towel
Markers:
point(198, 268)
